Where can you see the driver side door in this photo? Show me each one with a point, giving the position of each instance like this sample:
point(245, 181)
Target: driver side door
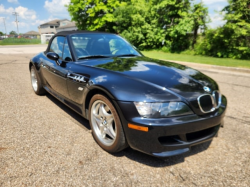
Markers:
point(54, 74)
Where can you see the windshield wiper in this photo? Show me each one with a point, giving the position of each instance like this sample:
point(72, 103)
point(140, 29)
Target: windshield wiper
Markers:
point(127, 55)
point(93, 56)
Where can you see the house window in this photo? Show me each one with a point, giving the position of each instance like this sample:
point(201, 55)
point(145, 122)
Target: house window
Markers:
point(51, 27)
point(56, 26)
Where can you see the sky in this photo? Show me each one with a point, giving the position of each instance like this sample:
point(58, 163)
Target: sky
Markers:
point(32, 13)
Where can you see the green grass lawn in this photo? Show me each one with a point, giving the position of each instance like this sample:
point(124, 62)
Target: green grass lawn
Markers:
point(19, 41)
point(198, 59)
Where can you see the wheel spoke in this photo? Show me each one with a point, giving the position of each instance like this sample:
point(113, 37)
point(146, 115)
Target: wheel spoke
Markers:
point(105, 113)
point(96, 109)
point(98, 121)
point(109, 119)
point(96, 115)
point(102, 131)
point(106, 108)
point(109, 131)
point(102, 110)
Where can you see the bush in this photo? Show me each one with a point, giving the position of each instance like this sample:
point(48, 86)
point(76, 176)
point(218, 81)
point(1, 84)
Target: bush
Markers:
point(9, 41)
point(224, 42)
point(188, 52)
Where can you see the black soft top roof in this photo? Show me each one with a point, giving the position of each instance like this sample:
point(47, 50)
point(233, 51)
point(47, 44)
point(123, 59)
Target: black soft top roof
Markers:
point(66, 33)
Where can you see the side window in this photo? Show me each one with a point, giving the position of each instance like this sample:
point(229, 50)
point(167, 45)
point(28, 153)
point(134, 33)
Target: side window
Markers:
point(57, 45)
point(66, 52)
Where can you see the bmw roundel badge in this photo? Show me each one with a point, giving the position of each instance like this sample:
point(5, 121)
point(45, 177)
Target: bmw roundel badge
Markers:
point(206, 89)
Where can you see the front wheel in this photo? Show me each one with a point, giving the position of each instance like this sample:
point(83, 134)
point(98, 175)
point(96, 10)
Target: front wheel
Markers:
point(106, 125)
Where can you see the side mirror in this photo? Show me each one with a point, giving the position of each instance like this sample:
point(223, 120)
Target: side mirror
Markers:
point(53, 56)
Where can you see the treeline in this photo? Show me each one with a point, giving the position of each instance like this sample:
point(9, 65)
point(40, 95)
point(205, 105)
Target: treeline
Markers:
point(169, 25)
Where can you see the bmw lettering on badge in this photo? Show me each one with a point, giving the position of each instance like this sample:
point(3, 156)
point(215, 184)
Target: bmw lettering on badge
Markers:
point(157, 107)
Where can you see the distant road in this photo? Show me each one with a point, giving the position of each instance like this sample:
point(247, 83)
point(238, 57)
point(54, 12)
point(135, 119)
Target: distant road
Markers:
point(22, 49)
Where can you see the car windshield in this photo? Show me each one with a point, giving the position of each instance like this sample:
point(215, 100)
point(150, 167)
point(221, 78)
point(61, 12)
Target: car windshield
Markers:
point(101, 46)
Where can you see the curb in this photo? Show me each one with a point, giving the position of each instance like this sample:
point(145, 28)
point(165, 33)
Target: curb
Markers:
point(207, 66)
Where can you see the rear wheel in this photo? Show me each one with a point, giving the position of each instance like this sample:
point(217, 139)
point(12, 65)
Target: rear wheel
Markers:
point(35, 82)
point(106, 125)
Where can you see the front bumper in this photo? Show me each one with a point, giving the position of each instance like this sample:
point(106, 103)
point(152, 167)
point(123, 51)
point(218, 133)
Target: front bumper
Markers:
point(170, 136)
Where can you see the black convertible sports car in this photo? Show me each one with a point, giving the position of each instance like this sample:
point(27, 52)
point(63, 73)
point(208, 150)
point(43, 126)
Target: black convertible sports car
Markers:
point(157, 107)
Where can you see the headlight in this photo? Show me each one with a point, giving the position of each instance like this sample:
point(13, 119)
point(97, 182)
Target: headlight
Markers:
point(162, 110)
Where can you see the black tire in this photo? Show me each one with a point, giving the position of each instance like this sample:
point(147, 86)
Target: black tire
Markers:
point(108, 143)
point(38, 89)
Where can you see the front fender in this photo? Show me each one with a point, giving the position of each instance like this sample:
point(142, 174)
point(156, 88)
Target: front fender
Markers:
point(102, 89)
point(89, 92)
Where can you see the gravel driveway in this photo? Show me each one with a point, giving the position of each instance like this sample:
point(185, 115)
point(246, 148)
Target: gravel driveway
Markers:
point(44, 143)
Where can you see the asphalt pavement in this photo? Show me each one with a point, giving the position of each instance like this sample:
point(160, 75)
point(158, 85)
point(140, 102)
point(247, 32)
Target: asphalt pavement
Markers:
point(22, 49)
point(44, 143)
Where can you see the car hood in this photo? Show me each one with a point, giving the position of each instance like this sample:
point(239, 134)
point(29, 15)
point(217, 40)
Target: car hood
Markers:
point(182, 80)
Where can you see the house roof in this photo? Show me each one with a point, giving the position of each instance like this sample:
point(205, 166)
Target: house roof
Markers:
point(32, 33)
point(53, 22)
point(70, 24)
point(63, 20)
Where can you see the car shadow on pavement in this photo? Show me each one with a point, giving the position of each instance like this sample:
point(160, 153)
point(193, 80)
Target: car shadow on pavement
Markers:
point(161, 162)
point(82, 122)
point(129, 152)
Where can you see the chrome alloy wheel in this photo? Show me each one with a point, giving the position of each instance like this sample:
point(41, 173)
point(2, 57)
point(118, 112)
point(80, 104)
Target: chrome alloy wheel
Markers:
point(33, 79)
point(103, 123)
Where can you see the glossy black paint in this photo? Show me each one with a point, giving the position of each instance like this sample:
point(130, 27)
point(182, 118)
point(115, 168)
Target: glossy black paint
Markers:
point(53, 56)
point(133, 79)
point(175, 126)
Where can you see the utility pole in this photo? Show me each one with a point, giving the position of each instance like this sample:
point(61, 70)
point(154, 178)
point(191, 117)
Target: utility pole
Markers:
point(16, 14)
point(4, 26)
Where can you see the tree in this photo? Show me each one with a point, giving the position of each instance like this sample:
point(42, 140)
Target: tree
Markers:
point(237, 10)
point(94, 14)
point(13, 33)
point(170, 12)
point(1, 33)
point(174, 17)
point(200, 19)
point(233, 39)
point(134, 22)
point(148, 24)
point(237, 15)
point(151, 24)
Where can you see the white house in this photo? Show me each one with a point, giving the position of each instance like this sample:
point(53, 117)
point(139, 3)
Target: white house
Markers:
point(54, 26)
point(68, 26)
